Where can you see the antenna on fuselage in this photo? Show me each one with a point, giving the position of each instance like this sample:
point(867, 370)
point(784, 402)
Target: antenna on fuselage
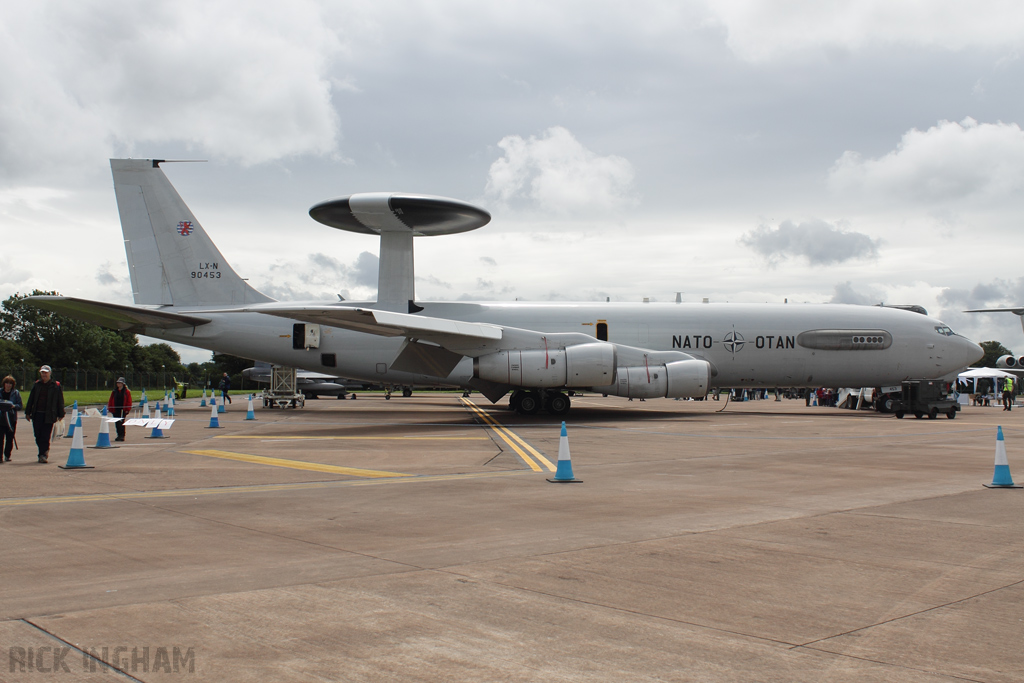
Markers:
point(398, 218)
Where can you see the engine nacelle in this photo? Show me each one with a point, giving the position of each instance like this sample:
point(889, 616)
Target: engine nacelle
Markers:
point(1009, 362)
point(530, 368)
point(582, 365)
point(590, 364)
point(678, 379)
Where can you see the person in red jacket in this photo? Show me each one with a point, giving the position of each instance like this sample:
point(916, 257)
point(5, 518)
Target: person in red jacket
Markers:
point(120, 405)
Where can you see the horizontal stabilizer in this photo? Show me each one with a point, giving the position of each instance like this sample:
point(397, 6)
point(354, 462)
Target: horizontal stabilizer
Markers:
point(114, 316)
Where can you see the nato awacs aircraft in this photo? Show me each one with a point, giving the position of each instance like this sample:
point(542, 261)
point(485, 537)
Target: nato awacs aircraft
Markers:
point(186, 292)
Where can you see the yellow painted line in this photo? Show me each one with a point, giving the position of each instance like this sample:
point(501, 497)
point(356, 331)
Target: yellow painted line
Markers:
point(359, 438)
point(508, 436)
point(258, 488)
point(296, 464)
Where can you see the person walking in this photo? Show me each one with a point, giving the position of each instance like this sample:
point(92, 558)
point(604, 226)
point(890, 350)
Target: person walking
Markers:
point(225, 387)
point(1007, 392)
point(44, 407)
point(120, 405)
point(10, 404)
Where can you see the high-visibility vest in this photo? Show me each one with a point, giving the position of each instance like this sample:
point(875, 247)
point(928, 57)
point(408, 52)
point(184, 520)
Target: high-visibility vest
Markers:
point(1008, 384)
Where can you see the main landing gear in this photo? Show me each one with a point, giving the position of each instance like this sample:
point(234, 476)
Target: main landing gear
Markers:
point(535, 400)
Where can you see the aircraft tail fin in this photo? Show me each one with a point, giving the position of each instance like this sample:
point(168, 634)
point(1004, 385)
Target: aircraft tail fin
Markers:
point(171, 259)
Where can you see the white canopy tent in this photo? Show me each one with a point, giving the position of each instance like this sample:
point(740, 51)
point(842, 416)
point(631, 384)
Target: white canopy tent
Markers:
point(974, 374)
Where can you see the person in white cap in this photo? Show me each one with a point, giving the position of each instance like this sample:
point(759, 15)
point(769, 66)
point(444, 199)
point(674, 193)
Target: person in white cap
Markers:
point(44, 407)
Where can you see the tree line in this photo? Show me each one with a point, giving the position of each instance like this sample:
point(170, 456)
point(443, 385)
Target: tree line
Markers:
point(84, 355)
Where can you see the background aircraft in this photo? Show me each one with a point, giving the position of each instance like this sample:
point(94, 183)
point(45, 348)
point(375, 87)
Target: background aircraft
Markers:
point(312, 384)
point(185, 291)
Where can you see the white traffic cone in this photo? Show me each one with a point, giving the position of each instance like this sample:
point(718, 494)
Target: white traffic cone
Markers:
point(1001, 478)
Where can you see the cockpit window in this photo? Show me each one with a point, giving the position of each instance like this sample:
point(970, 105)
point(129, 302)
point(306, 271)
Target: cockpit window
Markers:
point(944, 331)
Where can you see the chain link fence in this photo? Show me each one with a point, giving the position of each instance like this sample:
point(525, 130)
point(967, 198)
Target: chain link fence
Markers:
point(82, 379)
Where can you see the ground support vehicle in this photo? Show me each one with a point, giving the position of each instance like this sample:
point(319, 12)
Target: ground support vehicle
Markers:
point(922, 397)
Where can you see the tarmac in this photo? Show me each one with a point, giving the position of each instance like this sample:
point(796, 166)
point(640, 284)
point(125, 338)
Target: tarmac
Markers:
point(417, 539)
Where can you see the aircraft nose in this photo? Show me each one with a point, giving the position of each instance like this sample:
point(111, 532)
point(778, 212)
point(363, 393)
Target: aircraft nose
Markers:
point(969, 352)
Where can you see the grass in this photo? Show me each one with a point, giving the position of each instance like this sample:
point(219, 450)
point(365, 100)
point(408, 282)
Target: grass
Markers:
point(101, 396)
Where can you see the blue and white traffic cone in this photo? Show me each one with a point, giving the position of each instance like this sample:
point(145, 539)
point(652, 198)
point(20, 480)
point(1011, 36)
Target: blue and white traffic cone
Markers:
point(72, 422)
point(103, 438)
point(250, 415)
point(145, 410)
point(1001, 479)
point(222, 407)
point(157, 433)
point(214, 422)
point(143, 400)
point(76, 458)
point(170, 406)
point(563, 473)
point(103, 411)
point(202, 404)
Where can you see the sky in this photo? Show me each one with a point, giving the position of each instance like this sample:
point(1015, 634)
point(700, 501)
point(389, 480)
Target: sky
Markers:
point(736, 150)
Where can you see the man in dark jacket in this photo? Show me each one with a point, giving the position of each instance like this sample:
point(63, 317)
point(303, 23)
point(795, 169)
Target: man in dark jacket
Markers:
point(120, 405)
point(225, 387)
point(10, 404)
point(45, 406)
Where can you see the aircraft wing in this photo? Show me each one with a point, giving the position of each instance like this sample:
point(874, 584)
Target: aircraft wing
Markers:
point(1017, 311)
point(459, 337)
point(114, 316)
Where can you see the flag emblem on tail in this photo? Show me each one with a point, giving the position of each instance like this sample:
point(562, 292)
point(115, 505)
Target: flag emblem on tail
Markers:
point(185, 228)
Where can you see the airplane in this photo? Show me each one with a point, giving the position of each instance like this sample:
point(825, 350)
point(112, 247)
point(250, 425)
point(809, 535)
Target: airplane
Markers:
point(1012, 363)
point(312, 384)
point(185, 291)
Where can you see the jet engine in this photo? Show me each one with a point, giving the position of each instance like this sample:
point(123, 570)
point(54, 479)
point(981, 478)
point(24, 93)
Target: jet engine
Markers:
point(1009, 362)
point(582, 365)
point(677, 379)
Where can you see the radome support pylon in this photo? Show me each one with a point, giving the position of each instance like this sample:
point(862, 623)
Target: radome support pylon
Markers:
point(250, 415)
point(1001, 479)
point(103, 437)
point(563, 473)
point(76, 458)
point(214, 422)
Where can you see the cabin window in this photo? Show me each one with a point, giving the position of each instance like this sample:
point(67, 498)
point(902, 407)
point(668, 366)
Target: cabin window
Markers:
point(328, 360)
point(602, 331)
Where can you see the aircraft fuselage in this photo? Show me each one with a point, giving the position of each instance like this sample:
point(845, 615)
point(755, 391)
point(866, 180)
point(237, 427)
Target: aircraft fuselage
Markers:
point(748, 345)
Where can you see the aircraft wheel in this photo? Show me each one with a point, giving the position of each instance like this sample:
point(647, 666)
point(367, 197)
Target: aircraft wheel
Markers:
point(406, 392)
point(559, 404)
point(900, 414)
point(529, 403)
point(353, 397)
point(933, 413)
point(918, 414)
point(951, 414)
point(513, 400)
point(387, 397)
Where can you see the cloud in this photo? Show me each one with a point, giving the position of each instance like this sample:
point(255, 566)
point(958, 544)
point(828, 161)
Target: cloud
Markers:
point(87, 79)
point(488, 260)
point(821, 243)
point(947, 162)
point(320, 277)
point(760, 30)
point(846, 294)
point(556, 173)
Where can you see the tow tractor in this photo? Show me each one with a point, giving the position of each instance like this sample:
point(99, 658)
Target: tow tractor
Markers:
point(924, 397)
